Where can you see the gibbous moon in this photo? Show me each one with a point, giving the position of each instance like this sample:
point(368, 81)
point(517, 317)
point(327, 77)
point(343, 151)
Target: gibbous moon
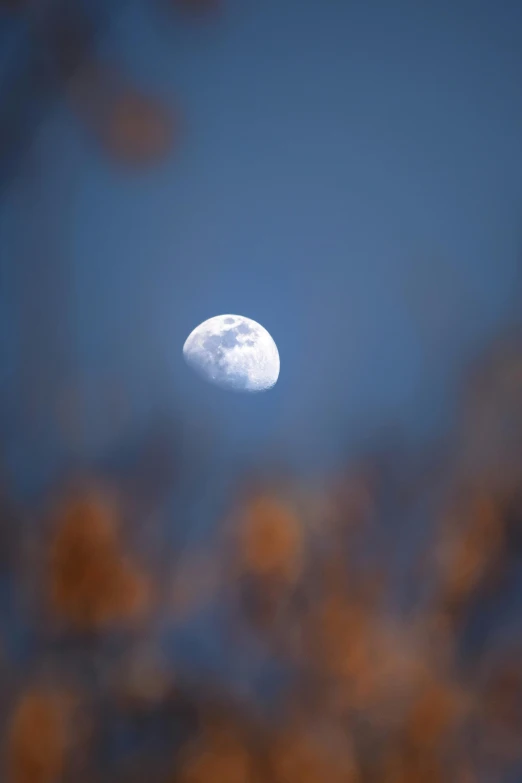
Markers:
point(233, 352)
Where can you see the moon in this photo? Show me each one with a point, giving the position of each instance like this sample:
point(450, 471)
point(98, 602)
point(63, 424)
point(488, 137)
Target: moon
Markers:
point(233, 352)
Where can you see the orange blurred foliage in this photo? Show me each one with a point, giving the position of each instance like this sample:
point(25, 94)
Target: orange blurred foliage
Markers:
point(138, 129)
point(271, 540)
point(311, 754)
point(131, 126)
point(38, 737)
point(92, 583)
point(470, 548)
point(218, 755)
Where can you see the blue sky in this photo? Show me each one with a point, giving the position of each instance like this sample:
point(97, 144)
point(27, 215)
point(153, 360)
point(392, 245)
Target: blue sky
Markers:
point(349, 175)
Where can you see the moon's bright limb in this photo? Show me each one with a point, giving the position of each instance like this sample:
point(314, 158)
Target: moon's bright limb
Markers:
point(233, 352)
